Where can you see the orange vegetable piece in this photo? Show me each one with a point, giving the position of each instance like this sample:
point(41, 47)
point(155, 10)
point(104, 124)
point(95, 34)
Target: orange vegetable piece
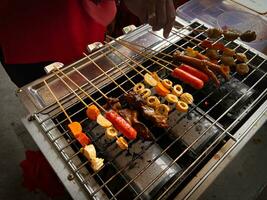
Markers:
point(161, 90)
point(83, 139)
point(92, 112)
point(75, 128)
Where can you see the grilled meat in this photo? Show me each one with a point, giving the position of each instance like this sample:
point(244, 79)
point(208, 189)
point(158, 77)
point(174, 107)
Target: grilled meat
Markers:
point(248, 36)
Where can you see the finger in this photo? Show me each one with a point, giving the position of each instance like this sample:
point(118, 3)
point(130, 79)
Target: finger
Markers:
point(151, 12)
point(161, 18)
point(170, 11)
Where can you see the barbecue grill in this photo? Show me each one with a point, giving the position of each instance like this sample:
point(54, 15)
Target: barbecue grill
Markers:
point(166, 166)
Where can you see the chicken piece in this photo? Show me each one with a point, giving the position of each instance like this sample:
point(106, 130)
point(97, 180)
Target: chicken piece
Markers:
point(212, 54)
point(241, 57)
point(248, 36)
point(228, 60)
point(228, 52)
point(230, 35)
point(242, 68)
point(214, 33)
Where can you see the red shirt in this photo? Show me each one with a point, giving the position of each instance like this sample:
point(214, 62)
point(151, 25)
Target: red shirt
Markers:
point(34, 31)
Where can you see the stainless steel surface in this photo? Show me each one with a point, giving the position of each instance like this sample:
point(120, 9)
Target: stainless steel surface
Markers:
point(156, 169)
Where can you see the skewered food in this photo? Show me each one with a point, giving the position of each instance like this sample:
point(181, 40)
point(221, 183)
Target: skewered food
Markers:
point(195, 54)
point(206, 44)
point(202, 65)
point(122, 143)
point(161, 90)
point(177, 90)
point(187, 78)
point(121, 125)
point(226, 69)
point(155, 76)
point(89, 151)
point(248, 36)
point(150, 80)
point(145, 93)
point(230, 35)
point(241, 57)
point(143, 130)
point(242, 68)
point(97, 163)
point(228, 52)
point(212, 54)
point(75, 128)
point(111, 132)
point(147, 112)
point(218, 46)
point(83, 139)
point(163, 109)
point(167, 83)
point(131, 116)
point(138, 88)
point(182, 106)
point(228, 60)
point(187, 98)
point(171, 98)
point(195, 72)
point(92, 112)
point(102, 121)
point(214, 33)
point(152, 101)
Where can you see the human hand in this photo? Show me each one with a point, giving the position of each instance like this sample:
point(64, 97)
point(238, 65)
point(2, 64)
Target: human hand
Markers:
point(157, 13)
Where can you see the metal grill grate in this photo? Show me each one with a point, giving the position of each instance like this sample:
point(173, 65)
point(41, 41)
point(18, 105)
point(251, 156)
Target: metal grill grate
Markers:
point(153, 169)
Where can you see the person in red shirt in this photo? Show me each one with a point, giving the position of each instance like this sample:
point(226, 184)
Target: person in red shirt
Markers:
point(34, 33)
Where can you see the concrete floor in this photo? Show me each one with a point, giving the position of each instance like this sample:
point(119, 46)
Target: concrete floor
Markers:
point(246, 178)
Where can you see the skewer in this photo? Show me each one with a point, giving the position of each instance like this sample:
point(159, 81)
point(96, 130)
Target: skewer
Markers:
point(122, 72)
point(86, 105)
point(129, 58)
point(105, 73)
point(58, 102)
point(103, 94)
point(136, 51)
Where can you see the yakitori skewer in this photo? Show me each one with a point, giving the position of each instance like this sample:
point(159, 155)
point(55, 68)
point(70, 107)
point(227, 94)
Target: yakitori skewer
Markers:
point(88, 149)
point(111, 117)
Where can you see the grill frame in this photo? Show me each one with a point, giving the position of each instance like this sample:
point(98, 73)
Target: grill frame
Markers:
point(236, 139)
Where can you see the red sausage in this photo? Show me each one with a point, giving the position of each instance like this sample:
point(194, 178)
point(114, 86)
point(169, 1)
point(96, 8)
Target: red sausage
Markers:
point(121, 125)
point(188, 78)
point(195, 72)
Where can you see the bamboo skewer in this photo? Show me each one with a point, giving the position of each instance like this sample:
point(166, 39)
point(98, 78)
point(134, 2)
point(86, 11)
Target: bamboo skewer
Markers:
point(86, 105)
point(60, 105)
point(105, 73)
point(139, 64)
point(122, 72)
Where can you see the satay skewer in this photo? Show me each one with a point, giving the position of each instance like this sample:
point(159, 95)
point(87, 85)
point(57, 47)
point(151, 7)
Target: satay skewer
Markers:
point(74, 127)
point(61, 107)
point(96, 65)
point(111, 116)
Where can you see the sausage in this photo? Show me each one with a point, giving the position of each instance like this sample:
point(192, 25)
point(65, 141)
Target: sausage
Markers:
point(121, 125)
point(187, 78)
point(195, 72)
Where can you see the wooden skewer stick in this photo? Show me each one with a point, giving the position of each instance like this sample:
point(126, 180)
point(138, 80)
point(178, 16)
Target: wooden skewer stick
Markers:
point(141, 54)
point(105, 73)
point(62, 108)
point(148, 49)
point(129, 58)
point(82, 75)
point(122, 72)
point(79, 89)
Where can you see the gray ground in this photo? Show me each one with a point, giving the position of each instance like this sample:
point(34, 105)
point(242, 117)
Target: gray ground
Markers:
point(245, 179)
